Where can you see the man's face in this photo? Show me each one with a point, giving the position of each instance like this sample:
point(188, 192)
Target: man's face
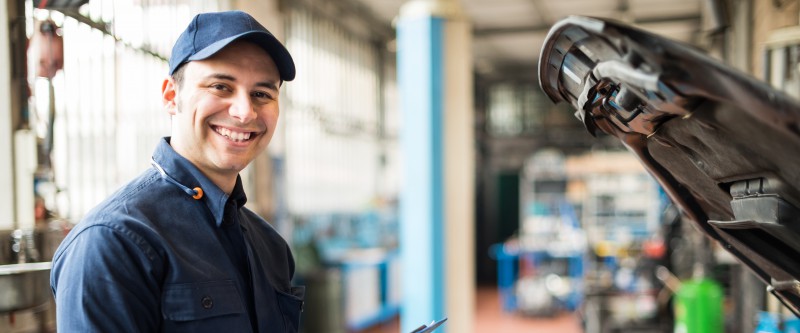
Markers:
point(225, 110)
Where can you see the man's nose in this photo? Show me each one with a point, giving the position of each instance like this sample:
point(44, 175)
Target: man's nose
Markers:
point(242, 108)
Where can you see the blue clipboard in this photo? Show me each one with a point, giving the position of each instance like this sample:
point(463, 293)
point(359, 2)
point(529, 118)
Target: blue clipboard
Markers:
point(430, 327)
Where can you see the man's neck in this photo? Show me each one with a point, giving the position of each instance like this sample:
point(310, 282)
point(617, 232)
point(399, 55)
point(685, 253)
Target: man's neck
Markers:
point(225, 182)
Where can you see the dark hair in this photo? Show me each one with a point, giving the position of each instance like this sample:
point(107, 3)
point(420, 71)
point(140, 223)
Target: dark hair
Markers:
point(177, 76)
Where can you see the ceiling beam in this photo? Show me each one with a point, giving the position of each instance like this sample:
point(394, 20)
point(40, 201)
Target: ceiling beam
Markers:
point(544, 28)
point(343, 12)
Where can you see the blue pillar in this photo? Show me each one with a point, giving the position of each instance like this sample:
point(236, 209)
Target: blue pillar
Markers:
point(436, 200)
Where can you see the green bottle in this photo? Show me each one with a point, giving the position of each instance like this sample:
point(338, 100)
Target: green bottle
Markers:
point(698, 307)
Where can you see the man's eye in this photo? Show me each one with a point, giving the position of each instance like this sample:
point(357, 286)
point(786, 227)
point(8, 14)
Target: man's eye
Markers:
point(219, 87)
point(261, 94)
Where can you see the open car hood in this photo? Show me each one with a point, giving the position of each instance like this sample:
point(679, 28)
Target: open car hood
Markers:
point(723, 145)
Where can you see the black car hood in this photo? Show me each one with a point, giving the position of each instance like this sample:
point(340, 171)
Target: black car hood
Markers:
point(723, 145)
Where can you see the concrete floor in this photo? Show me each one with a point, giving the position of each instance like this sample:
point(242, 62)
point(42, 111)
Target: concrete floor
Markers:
point(490, 318)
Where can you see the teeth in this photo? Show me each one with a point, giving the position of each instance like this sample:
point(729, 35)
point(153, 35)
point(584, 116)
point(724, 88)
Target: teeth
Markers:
point(235, 136)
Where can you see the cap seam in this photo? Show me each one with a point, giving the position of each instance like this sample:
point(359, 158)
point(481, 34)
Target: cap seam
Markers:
point(194, 35)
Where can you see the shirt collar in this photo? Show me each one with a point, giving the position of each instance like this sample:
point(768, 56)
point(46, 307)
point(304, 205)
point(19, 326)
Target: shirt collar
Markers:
point(186, 173)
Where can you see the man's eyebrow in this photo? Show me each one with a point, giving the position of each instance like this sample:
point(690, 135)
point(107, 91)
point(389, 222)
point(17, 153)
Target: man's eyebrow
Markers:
point(267, 84)
point(227, 77)
point(221, 76)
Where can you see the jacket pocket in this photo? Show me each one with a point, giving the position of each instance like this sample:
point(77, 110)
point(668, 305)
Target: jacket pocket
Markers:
point(291, 305)
point(201, 300)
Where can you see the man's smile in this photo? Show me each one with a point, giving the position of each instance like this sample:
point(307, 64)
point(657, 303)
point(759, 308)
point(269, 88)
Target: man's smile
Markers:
point(233, 135)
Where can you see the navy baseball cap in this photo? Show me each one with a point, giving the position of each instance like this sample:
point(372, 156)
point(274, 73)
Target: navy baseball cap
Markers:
point(210, 32)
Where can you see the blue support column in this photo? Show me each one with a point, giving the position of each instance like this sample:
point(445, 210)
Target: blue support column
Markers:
point(436, 200)
point(421, 224)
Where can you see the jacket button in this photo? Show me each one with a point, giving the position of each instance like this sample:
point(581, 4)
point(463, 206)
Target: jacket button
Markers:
point(207, 302)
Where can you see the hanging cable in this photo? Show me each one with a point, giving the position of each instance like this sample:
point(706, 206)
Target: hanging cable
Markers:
point(196, 193)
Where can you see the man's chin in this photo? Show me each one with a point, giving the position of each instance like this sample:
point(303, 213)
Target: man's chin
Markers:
point(232, 166)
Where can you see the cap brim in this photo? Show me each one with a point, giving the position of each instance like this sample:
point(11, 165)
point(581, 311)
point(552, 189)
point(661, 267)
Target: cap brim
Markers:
point(280, 55)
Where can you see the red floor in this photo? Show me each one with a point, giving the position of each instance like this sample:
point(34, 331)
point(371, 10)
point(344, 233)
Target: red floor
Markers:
point(490, 318)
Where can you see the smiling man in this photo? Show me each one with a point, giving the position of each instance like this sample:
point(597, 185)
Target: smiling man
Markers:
point(175, 250)
point(225, 110)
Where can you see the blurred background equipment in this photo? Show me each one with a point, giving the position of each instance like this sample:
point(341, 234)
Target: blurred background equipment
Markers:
point(350, 266)
point(621, 216)
point(47, 49)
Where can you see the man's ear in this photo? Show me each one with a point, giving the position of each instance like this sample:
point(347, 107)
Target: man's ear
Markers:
point(168, 94)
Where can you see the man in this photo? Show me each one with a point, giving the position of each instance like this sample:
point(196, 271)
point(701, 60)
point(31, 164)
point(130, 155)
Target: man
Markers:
point(175, 250)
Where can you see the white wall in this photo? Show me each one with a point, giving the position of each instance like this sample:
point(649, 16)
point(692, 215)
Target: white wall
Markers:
point(6, 144)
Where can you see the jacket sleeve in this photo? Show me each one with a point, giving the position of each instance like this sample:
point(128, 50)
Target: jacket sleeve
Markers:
point(105, 279)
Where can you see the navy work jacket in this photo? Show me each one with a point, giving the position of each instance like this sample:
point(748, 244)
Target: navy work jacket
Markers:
point(155, 258)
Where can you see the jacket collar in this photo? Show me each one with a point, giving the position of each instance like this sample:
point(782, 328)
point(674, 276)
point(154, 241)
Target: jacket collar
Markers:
point(187, 174)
